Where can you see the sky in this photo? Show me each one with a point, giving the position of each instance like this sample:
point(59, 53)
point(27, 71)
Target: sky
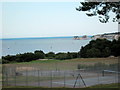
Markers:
point(48, 19)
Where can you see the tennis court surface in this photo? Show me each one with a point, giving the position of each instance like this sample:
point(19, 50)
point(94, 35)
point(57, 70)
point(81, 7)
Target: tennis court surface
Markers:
point(89, 81)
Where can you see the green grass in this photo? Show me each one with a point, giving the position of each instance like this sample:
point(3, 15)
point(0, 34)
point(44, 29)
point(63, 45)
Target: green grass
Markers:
point(0, 60)
point(113, 85)
point(82, 60)
point(37, 61)
point(32, 87)
point(22, 87)
point(51, 64)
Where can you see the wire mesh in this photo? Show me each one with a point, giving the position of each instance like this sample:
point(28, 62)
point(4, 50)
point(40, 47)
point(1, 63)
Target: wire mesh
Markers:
point(59, 74)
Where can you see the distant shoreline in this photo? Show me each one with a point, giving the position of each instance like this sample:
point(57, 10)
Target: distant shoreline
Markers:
point(37, 38)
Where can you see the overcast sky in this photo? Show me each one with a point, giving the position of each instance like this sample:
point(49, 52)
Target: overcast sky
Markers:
point(48, 19)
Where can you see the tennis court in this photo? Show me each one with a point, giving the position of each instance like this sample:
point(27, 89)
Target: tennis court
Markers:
point(90, 81)
point(70, 79)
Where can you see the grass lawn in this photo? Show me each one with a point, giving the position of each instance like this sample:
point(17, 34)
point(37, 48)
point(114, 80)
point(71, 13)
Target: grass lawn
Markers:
point(70, 64)
point(82, 60)
point(22, 87)
point(113, 85)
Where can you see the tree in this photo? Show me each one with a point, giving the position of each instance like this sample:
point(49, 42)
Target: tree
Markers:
point(93, 52)
point(50, 55)
point(26, 57)
point(74, 54)
point(39, 54)
point(69, 55)
point(115, 47)
point(39, 51)
point(61, 56)
point(106, 52)
point(9, 58)
point(82, 52)
point(96, 48)
point(101, 9)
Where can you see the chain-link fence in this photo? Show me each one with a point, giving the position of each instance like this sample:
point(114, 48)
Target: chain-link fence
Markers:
point(73, 75)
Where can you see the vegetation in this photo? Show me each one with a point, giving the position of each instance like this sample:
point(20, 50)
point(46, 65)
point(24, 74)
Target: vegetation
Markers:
point(5, 87)
point(32, 88)
point(101, 9)
point(38, 54)
point(112, 85)
point(50, 55)
point(100, 48)
point(26, 57)
point(0, 60)
point(69, 55)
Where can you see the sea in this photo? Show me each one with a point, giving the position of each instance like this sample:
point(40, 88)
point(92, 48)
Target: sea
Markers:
point(15, 46)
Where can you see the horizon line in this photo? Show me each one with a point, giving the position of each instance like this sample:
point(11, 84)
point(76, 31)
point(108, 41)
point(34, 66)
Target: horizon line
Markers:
point(39, 37)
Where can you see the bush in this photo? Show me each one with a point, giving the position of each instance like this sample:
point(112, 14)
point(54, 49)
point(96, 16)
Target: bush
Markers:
point(61, 56)
point(50, 55)
point(4, 61)
point(39, 54)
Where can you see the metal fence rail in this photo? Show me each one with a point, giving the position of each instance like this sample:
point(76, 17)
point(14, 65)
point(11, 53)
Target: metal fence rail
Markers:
point(30, 75)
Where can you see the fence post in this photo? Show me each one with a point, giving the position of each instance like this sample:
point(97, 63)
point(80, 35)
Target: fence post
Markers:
point(98, 78)
point(3, 76)
point(64, 79)
point(26, 77)
point(15, 75)
point(41, 77)
point(38, 78)
point(6, 78)
point(51, 79)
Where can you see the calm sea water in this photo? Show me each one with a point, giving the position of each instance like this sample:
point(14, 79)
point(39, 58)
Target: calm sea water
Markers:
point(16, 46)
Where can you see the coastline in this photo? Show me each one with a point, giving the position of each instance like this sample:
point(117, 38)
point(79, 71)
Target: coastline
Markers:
point(21, 38)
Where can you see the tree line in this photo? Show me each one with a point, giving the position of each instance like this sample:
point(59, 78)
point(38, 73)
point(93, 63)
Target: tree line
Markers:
point(95, 48)
point(38, 54)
